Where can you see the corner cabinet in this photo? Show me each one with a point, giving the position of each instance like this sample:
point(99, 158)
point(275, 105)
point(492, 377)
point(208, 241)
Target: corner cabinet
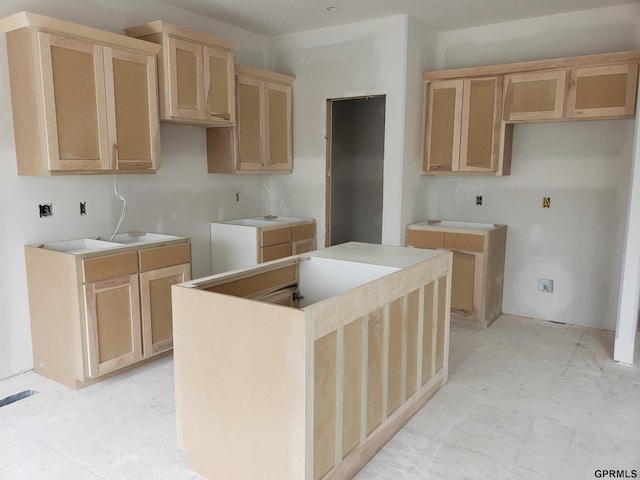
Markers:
point(196, 74)
point(463, 126)
point(84, 100)
point(95, 313)
point(262, 142)
point(477, 272)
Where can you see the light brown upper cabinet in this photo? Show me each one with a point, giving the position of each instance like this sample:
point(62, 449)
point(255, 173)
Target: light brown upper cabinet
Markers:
point(262, 140)
point(462, 126)
point(602, 92)
point(534, 96)
point(84, 100)
point(196, 74)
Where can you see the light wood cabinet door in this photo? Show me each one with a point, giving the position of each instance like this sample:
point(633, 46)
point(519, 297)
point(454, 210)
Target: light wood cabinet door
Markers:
point(74, 103)
point(535, 96)
point(112, 324)
point(131, 86)
point(250, 123)
point(443, 126)
point(155, 306)
point(219, 85)
point(480, 130)
point(278, 149)
point(602, 92)
point(186, 65)
point(463, 282)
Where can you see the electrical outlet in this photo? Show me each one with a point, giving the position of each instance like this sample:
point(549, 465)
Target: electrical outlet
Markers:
point(83, 208)
point(478, 199)
point(546, 202)
point(545, 285)
point(46, 210)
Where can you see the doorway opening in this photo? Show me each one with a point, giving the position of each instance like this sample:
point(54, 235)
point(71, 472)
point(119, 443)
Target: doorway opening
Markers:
point(355, 169)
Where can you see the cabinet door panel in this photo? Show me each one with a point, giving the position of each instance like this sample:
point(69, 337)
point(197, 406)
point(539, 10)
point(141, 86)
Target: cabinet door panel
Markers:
point(219, 85)
point(75, 109)
point(132, 87)
point(185, 86)
point(113, 324)
point(155, 303)
point(250, 123)
point(602, 91)
point(535, 96)
point(462, 282)
point(480, 124)
point(443, 120)
point(278, 114)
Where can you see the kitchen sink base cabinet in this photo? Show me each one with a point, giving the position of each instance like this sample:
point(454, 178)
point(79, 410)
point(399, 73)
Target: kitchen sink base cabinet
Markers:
point(313, 387)
point(95, 313)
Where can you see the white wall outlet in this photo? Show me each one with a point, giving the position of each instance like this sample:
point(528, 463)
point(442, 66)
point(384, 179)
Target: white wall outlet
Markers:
point(545, 285)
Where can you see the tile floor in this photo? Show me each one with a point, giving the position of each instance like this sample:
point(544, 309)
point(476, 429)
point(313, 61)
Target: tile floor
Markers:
point(526, 400)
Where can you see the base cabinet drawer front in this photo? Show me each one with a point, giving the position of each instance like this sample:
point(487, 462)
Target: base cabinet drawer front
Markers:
point(535, 96)
point(303, 232)
point(166, 256)
point(303, 246)
point(110, 266)
point(155, 306)
point(112, 324)
point(274, 252)
point(464, 241)
point(275, 236)
point(600, 92)
point(425, 238)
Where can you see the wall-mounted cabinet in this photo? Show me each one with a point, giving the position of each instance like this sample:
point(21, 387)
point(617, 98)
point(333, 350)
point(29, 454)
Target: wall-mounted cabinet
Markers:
point(84, 100)
point(534, 96)
point(196, 74)
point(262, 141)
point(97, 307)
point(463, 127)
point(477, 273)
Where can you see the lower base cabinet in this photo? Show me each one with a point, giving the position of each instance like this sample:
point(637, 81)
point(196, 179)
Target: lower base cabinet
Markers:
point(94, 313)
point(477, 274)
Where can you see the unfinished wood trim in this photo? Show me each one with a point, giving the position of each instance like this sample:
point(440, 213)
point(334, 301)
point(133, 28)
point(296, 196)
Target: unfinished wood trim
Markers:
point(105, 321)
point(327, 173)
point(375, 294)
point(25, 19)
point(160, 26)
point(375, 370)
point(413, 342)
point(265, 74)
point(109, 266)
point(340, 398)
point(534, 96)
point(165, 256)
point(551, 64)
point(351, 388)
point(612, 100)
point(364, 386)
point(395, 355)
point(325, 402)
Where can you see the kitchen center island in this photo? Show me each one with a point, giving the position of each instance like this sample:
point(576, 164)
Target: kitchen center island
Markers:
point(304, 367)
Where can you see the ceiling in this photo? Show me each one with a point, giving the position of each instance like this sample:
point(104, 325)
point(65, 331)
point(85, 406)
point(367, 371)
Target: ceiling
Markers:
point(276, 17)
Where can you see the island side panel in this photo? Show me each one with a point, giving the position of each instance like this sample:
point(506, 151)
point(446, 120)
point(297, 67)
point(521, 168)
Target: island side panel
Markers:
point(240, 373)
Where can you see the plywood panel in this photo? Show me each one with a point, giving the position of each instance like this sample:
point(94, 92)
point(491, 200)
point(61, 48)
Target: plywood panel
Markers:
point(275, 251)
point(113, 309)
point(303, 232)
point(479, 138)
point(275, 236)
point(187, 75)
point(443, 124)
point(324, 407)
point(441, 325)
point(535, 95)
point(396, 354)
point(374, 369)
point(258, 283)
point(428, 332)
point(217, 94)
point(352, 388)
point(109, 266)
point(278, 127)
point(249, 121)
point(413, 320)
point(424, 238)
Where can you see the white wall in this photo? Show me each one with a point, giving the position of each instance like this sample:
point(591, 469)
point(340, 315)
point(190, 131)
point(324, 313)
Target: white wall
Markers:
point(366, 58)
point(182, 199)
point(583, 166)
